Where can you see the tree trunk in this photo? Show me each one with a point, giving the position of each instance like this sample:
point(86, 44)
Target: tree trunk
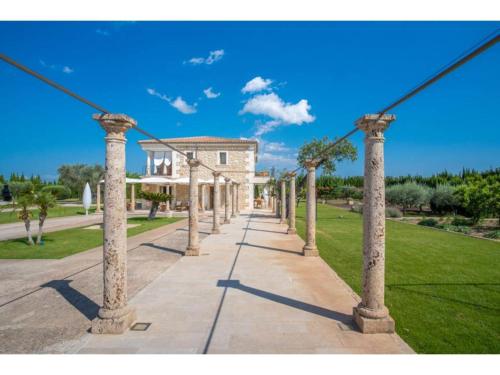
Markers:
point(41, 220)
point(153, 210)
point(27, 224)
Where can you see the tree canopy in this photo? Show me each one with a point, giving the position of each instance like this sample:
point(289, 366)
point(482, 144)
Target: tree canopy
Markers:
point(345, 150)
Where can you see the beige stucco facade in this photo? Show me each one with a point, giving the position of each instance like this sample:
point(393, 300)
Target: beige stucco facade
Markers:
point(237, 163)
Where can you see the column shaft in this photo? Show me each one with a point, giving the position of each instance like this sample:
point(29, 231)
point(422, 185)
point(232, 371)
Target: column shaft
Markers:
point(291, 206)
point(193, 247)
point(132, 197)
point(283, 202)
point(216, 213)
point(233, 200)
point(310, 248)
point(227, 203)
point(98, 198)
point(371, 315)
point(202, 208)
point(237, 199)
point(114, 316)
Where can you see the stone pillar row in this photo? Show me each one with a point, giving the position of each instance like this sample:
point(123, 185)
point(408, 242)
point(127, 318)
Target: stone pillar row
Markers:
point(283, 202)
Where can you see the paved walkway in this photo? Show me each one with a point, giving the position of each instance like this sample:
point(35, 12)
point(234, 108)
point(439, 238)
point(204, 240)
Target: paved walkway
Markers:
point(47, 305)
point(249, 292)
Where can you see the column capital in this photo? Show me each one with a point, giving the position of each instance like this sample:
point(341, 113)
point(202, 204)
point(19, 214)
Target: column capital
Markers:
point(193, 163)
point(374, 125)
point(291, 175)
point(227, 180)
point(116, 124)
point(216, 173)
point(311, 163)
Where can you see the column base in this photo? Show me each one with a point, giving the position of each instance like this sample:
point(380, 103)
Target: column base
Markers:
point(227, 221)
point(215, 231)
point(309, 251)
point(233, 216)
point(111, 322)
point(192, 251)
point(373, 325)
point(283, 221)
point(291, 231)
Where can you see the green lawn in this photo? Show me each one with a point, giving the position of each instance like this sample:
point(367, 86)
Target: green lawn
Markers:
point(11, 217)
point(71, 241)
point(442, 289)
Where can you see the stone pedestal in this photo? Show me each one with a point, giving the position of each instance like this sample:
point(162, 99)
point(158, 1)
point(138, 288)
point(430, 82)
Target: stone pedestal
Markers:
point(98, 198)
point(216, 217)
point(310, 248)
point(233, 200)
point(227, 203)
point(193, 247)
point(291, 206)
point(283, 202)
point(115, 316)
point(371, 315)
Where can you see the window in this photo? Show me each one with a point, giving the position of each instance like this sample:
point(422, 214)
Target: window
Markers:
point(222, 157)
point(190, 155)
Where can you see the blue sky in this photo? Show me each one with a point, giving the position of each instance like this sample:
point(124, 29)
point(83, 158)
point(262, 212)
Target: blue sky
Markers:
point(316, 78)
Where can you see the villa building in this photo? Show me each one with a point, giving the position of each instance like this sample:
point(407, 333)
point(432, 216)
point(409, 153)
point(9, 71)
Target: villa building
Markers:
point(167, 170)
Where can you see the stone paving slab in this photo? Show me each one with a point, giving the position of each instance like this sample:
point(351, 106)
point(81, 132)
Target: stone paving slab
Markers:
point(251, 291)
point(47, 305)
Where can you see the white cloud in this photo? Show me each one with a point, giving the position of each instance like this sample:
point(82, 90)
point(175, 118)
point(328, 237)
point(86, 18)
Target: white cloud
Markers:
point(273, 106)
point(256, 84)
point(65, 69)
point(213, 56)
point(210, 94)
point(178, 103)
point(277, 159)
point(276, 147)
point(181, 105)
point(102, 32)
point(266, 127)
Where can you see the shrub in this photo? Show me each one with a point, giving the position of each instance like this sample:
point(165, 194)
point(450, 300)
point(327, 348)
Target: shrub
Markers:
point(454, 228)
point(407, 195)
point(443, 199)
point(357, 208)
point(494, 234)
point(58, 191)
point(393, 212)
point(461, 221)
point(428, 222)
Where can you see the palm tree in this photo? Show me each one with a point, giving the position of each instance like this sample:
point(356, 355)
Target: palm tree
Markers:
point(155, 199)
point(44, 201)
point(24, 202)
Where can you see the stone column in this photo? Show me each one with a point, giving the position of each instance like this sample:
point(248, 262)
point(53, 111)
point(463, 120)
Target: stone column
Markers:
point(193, 247)
point(310, 248)
point(227, 216)
point(237, 199)
point(271, 203)
point(291, 206)
point(174, 195)
point(115, 316)
point(283, 202)
point(98, 198)
point(216, 216)
point(371, 315)
point(132, 197)
point(233, 200)
point(148, 164)
point(167, 203)
point(202, 208)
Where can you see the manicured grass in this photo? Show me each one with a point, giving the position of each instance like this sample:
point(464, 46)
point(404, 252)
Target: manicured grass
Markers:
point(71, 241)
point(58, 211)
point(442, 289)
